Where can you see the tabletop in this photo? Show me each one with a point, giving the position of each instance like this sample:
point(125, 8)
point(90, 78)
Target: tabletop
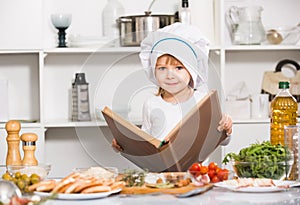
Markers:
point(216, 196)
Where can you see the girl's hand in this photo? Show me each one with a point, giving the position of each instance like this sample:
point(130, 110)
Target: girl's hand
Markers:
point(116, 146)
point(225, 124)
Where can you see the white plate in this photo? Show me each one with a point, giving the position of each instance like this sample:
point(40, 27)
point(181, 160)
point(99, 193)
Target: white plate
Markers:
point(79, 196)
point(279, 186)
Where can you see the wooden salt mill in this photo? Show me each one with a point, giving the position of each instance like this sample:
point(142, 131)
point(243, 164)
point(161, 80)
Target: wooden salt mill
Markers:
point(29, 147)
point(13, 156)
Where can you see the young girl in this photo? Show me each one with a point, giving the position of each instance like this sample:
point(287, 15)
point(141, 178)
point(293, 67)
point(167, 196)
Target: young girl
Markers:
point(175, 59)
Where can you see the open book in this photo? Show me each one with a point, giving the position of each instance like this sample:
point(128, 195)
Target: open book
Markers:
point(193, 139)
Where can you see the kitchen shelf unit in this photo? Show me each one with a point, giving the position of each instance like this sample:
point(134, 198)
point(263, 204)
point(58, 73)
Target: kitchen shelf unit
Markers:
point(242, 63)
point(50, 72)
point(41, 68)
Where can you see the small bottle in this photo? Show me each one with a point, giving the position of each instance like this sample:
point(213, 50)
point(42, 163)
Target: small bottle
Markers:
point(185, 12)
point(111, 12)
point(284, 110)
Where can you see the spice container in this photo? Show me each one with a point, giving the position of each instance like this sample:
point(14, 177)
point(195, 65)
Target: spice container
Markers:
point(13, 156)
point(29, 147)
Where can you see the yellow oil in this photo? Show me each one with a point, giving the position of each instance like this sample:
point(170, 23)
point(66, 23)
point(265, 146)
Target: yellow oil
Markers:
point(283, 112)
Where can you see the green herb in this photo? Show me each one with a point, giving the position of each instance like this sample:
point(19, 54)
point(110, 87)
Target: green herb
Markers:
point(134, 177)
point(261, 160)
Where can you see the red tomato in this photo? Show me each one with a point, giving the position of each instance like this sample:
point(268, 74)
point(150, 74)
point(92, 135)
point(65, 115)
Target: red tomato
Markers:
point(203, 170)
point(215, 179)
point(211, 173)
point(212, 166)
point(218, 169)
point(195, 168)
point(223, 174)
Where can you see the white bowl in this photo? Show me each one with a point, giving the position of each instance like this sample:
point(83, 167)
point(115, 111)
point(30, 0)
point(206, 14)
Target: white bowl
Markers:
point(98, 172)
point(42, 169)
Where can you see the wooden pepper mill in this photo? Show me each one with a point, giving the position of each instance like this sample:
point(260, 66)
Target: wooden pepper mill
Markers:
point(29, 147)
point(13, 156)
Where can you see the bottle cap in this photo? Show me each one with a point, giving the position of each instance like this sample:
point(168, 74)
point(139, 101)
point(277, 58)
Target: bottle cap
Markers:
point(284, 85)
point(185, 3)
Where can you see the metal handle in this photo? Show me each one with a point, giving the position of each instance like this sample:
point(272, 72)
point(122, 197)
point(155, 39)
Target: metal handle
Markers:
point(285, 62)
point(232, 17)
point(150, 6)
point(124, 20)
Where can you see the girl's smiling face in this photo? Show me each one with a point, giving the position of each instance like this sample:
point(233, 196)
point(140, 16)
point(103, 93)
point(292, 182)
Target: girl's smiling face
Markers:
point(171, 75)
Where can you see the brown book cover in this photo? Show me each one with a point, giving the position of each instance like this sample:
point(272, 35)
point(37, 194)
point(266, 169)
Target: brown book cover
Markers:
point(193, 139)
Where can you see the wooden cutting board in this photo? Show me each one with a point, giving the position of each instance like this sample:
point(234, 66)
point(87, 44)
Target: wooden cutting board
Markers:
point(148, 190)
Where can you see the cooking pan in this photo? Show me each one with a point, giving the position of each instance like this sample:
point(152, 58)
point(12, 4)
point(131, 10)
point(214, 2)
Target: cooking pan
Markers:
point(133, 29)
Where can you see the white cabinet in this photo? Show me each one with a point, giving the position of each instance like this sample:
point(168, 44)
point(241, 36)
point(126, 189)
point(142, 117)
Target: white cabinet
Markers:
point(248, 63)
point(40, 79)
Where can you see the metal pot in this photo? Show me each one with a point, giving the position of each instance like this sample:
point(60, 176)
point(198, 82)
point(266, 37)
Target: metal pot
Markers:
point(133, 29)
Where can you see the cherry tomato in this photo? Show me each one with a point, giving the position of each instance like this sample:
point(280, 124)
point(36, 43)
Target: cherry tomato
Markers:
point(215, 179)
point(203, 170)
point(211, 173)
point(212, 166)
point(195, 168)
point(223, 174)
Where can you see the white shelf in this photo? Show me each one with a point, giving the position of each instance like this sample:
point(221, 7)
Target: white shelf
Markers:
point(73, 50)
point(261, 47)
point(19, 51)
point(129, 49)
point(92, 50)
point(250, 121)
point(60, 123)
point(67, 123)
point(24, 125)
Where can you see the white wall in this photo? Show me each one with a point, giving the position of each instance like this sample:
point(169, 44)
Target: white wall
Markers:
point(21, 24)
point(27, 24)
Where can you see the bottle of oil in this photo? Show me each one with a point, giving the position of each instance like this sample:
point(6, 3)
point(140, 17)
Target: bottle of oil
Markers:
point(284, 109)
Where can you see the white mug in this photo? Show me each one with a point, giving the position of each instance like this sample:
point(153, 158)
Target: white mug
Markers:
point(260, 106)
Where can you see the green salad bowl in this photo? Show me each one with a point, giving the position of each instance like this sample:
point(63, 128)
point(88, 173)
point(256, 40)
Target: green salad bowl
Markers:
point(263, 169)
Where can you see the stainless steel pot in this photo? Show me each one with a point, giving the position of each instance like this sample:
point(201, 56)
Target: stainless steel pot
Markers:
point(133, 29)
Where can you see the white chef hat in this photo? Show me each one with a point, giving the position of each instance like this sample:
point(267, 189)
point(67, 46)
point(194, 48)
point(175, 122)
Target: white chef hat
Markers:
point(184, 42)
